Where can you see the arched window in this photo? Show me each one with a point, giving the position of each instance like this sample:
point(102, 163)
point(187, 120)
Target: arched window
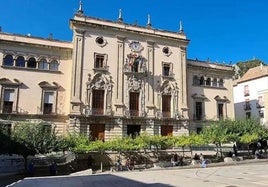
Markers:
point(214, 82)
point(20, 61)
point(208, 82)
point(202, 81)
point(31, 63)
point(8, 60)
point(43, 64)
point(221, 83)
point(196, 80)
point(54, 65)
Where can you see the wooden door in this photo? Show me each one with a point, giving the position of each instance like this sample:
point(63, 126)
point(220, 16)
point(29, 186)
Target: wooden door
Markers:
point(97, 132)
point(166, 130)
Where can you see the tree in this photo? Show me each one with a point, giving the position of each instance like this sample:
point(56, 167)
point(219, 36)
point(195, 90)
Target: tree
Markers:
point(244, 66)
point(30, 139)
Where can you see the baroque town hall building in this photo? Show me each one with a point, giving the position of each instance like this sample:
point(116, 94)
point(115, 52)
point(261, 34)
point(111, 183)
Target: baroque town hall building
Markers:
point(113, 80)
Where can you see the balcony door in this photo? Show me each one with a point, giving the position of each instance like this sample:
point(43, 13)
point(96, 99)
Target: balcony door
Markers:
point(98, 102)
point(134, 103)
point(166, 108)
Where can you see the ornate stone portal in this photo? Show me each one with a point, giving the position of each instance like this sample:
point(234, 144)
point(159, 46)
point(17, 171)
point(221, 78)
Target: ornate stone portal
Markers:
point(99, 82)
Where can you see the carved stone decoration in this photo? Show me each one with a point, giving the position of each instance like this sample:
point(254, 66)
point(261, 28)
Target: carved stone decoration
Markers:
point(104, 82)
point(135, 63)
point(134, 84)
point(170, 88)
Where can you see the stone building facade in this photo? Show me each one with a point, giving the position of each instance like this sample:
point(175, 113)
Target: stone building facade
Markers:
point(114, 79)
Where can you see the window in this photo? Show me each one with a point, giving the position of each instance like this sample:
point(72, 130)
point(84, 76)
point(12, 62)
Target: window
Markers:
point(20, 61)
point(48, 102)
point(134, 103)
point(208, 82)
point(43, 64)
point(8, 60)
point(97, 102)
point(166, 69)
point(248, 115)
point(99, 40)
point(133, 130)
point(261, 114)
point(215, 82)
point(202, 81)
point(260, 103)
point(247, 105)
point(220, 110)
point(54, 65)
point(198, 110)
point(166, 51)
point(166, 106)
point(198, 130)
point(31, 63)
point(246, 90)
point(221, 83)
point(99, 61)
point(8, 100)
point(196, 80)
point(49, 97)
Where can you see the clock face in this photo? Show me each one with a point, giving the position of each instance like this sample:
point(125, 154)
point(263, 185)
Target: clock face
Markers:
point(135, 46)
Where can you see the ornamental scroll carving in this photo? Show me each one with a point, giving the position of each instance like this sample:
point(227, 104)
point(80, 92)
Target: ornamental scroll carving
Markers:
point(134, 84)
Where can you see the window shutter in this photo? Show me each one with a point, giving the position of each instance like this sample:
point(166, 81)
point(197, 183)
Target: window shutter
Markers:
point(9, 95)
point(49, 97)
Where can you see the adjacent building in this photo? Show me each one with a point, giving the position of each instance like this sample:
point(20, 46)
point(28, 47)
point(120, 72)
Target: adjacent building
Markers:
point(114, 79)
point(251, 96)
point(210, 96)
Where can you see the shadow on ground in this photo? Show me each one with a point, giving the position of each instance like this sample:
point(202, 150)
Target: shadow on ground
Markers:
point(83, 181)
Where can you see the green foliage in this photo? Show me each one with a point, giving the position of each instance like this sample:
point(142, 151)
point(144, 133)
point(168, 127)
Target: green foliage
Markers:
point(231, 131)
point(40, 138)
point(246, 65)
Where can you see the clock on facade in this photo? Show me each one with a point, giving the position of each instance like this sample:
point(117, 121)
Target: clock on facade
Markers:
point(135, 46)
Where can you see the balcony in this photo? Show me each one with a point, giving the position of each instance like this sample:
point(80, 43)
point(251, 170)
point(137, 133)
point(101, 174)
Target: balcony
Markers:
point(92, 111)
point(259, 105)
point(198, 117)
point(102, 69)
point(247, 107)
point(168, 75)
point(166, 114)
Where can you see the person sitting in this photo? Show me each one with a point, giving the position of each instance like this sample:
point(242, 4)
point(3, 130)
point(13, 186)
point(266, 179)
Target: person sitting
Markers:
point(172, 161)
point(131, 164)
point(118, 165)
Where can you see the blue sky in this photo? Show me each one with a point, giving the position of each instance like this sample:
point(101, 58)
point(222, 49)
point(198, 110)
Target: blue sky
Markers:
point(219, 30)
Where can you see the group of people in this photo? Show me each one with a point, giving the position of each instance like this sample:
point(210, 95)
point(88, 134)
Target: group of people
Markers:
point(176, 160)
point(199, 159)
point(129, 165)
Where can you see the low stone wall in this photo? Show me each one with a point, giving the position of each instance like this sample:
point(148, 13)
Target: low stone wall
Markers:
point(106, 160)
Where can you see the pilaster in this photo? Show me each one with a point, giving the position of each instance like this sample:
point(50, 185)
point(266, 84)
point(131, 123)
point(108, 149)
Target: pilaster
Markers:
point(119, 91)
point(150, 79)
point(78, 41)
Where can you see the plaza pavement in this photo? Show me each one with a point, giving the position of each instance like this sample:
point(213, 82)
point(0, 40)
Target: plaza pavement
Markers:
point(251, 173)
